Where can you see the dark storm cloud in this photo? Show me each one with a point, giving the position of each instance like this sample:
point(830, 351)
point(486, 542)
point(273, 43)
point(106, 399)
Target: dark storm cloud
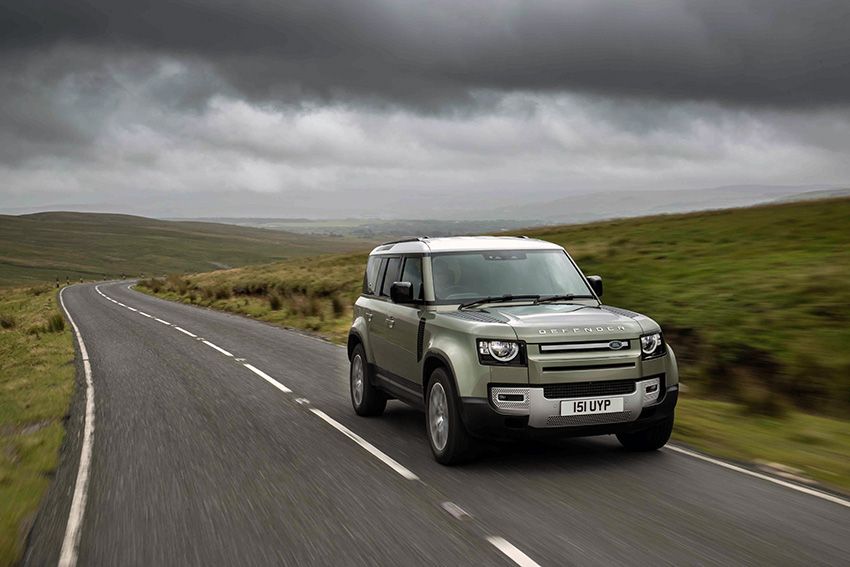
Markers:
point(434, 54)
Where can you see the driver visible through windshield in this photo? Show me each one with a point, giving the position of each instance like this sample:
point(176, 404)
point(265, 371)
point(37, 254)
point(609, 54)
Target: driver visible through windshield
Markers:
point(475, 275)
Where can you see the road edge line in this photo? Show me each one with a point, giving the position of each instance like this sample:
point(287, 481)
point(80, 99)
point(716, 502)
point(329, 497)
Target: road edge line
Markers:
point(71, 541)
point(804, 489)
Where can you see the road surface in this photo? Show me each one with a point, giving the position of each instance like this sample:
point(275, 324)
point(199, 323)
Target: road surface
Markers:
point(219, 440)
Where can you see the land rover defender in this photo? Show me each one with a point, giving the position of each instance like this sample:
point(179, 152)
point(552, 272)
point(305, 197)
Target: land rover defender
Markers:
point(505, 337)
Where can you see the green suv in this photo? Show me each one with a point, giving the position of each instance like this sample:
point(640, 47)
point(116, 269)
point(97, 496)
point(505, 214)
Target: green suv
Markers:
point(501, 337)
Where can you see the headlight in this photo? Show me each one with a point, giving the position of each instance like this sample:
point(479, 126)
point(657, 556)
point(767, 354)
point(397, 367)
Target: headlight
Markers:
point(497, 352)
point(652, 345)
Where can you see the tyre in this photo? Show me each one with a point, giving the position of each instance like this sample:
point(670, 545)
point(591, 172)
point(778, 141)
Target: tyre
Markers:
point(449, 440)
point(648, 439)
point(365, 398)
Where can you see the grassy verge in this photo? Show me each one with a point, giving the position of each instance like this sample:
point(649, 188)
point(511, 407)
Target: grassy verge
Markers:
point(816, 447)
point(36, 383)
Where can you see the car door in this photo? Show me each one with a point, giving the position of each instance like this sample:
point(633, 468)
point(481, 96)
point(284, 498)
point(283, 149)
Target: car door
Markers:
point(381, 325)
point(402, 326)
point(369, 303)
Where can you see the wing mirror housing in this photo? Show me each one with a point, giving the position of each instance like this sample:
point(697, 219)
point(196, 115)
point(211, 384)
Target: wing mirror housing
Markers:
point(401, 292)
point(595, 284)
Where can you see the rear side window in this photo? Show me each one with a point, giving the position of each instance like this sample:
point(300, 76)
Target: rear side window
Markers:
point(370, 279)
point(412, 272)
point(393, 267)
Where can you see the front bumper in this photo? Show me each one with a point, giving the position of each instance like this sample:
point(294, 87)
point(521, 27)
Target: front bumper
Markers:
point(542, 416)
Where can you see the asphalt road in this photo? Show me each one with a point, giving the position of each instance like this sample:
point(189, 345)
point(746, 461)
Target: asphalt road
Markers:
point(198, 459)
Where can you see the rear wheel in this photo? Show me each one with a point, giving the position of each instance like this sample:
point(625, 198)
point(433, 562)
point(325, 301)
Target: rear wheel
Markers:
point(447, 435)
point(366, 399)
point(648, 439)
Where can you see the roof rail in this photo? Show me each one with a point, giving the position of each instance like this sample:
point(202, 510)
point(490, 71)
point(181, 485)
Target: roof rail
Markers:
point(414, 239)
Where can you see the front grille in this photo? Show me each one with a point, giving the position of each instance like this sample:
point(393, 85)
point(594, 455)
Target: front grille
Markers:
point(577, 367)
point(588, 389)
point(618, 417)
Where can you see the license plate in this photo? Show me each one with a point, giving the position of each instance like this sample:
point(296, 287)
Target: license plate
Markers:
point(590, 406)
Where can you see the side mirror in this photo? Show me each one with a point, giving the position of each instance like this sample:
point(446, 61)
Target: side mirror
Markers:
point(401, 292)
point(595, 284)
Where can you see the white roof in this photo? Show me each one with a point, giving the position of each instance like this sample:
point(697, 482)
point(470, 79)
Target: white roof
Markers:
point(463, 243)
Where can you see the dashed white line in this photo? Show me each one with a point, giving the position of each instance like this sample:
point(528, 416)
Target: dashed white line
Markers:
point(218, 348)
point(268, 379)
point(71, 541)
point(512, 552)
point(791, 485)
point(508, 549)
point(380, 455)
point(143, 314)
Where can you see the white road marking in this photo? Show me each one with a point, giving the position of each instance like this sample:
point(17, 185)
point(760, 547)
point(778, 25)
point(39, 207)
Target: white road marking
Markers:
point(512, 552)
point(456, 511)
point(71, 541)
point(302, 401)
point(268, 379)
point(133, 309)
point(161, 321)
point(185, 332)
point(380, 455)
point(142, 313)
point(218, 348)
point(791, 485)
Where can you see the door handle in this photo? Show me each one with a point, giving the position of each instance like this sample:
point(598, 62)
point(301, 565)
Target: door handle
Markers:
point(368, 316)
point(390, 322)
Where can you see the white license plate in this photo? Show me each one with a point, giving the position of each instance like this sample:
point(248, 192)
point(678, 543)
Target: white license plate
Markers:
point(590, 406)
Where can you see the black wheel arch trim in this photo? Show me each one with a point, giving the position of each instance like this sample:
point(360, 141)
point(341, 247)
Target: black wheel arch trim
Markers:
point(354, 337)
point(447, 364)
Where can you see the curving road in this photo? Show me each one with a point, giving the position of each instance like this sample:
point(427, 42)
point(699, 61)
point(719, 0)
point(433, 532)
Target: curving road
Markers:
point(219, 440)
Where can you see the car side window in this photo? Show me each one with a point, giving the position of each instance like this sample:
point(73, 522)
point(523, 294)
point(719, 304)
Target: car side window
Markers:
point(370, 278)
point(391, 275)
point(412, 272)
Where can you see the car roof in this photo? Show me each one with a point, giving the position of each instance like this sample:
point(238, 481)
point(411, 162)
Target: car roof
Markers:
point(426, 245)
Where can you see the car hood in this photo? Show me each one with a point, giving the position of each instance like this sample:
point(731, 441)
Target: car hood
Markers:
point(573, 322)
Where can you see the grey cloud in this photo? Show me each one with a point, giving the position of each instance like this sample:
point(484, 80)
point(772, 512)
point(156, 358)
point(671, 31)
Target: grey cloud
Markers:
point(433, 55)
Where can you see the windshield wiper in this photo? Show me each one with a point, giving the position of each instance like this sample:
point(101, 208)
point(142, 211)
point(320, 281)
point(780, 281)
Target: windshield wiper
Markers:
point(566, 297)
point(498, 299)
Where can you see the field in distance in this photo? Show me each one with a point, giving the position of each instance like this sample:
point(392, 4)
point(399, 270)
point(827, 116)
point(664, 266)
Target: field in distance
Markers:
point(46, 246)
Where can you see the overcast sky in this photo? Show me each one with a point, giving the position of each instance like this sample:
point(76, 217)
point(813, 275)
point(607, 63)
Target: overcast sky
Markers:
point(290, 108)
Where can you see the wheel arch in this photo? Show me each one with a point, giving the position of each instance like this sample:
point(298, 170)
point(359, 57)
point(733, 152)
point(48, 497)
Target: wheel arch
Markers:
point(430, 362)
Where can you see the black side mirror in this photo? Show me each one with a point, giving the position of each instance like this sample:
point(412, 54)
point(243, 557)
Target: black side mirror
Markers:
point(401, 292)
point(595, 284)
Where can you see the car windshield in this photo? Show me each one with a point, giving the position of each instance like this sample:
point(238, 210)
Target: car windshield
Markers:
point(467, 276)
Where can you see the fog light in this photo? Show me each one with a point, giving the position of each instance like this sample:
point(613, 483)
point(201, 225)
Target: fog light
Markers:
point(651, 390)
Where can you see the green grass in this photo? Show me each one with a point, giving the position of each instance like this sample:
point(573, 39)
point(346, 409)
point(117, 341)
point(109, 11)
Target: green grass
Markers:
point(36, 382)
point(817, 446)
point(755, 301)
point(45, 246)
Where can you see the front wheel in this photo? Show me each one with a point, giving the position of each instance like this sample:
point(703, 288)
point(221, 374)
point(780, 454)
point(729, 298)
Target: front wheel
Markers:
point(648, 439)
point(366, 399)
point(447, 435)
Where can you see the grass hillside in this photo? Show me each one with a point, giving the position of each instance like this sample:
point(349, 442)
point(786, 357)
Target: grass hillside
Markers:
point(46, 246)
point(755, 301)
